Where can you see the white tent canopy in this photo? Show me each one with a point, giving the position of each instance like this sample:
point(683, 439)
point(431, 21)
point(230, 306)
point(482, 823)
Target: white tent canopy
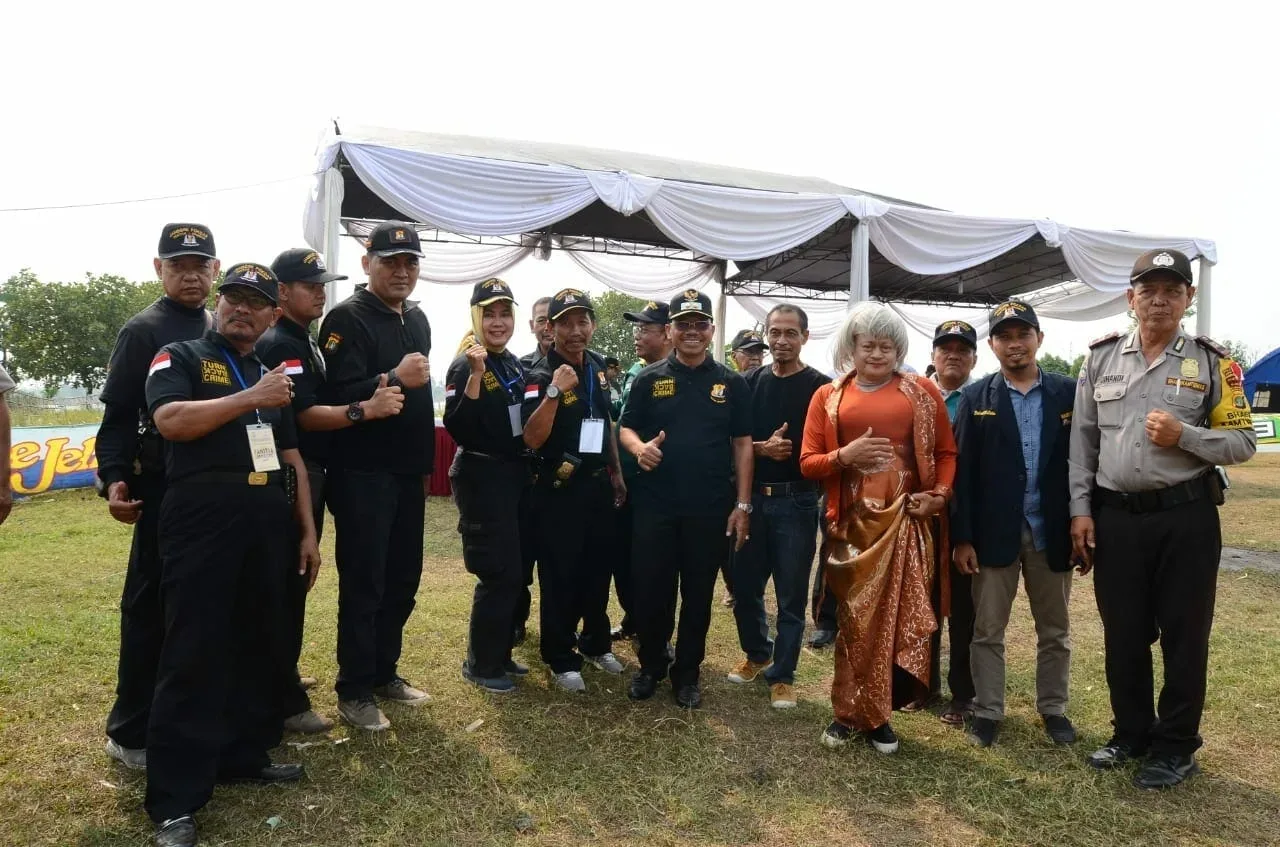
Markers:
point(790, 236)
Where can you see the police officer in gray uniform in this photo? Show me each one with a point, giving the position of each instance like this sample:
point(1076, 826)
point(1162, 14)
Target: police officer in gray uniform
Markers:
point(1155, 410)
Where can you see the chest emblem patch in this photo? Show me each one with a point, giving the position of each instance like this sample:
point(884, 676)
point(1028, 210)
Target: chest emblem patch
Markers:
point(490, 381)
point(214, 373)
point(1190, 368)
point(568, 398)
point(665, 387)
point(717, 392)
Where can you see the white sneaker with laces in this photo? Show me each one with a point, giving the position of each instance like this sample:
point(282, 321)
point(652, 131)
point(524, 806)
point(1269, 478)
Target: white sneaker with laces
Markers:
point(571, 681)
point(606, 662)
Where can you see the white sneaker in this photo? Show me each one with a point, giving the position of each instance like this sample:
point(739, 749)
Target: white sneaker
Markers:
point(606, 662)
point(571, 681)
point(133, 759)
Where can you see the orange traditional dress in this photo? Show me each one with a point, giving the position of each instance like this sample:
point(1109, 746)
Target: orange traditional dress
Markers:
point(881, 561)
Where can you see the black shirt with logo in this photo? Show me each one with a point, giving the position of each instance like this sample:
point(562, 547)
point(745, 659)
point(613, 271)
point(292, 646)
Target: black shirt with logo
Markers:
point(701, 410)
point(777, 400)
point(590, 399)
point(124, 392)
point(484, 424)
point(205, 369)
point(363, 338)
point(290, 343)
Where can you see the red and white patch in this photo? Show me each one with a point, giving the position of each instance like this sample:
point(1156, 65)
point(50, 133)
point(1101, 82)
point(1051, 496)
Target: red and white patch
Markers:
point(450, 392)
point(531, 393)
point(293, 367)
point(159, 363)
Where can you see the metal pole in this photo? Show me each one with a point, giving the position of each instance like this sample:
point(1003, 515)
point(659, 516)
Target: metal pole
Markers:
point(722, 312)
point(333, 192)
point(1204, 298)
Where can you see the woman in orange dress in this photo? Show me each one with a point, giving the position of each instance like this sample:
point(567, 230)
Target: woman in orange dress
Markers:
point(880, 441)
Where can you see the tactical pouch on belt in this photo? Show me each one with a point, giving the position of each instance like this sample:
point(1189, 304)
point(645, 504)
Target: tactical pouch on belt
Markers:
point(289, 476)
point(150, 452)
point(1215, 482)
point(565, 469)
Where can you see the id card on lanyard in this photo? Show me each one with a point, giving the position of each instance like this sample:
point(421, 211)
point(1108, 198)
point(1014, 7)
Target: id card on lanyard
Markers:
point(262, 442)
point(591, 435)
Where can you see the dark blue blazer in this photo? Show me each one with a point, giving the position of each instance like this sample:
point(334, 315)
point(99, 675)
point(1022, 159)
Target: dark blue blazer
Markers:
point(991, 474)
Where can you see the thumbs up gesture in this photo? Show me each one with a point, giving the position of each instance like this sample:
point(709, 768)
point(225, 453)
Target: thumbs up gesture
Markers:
point(778, 447)
point(650, 456)
point(273, 391)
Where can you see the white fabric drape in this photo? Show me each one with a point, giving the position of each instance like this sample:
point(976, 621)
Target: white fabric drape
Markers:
point(450, 263)
point(824, 315)
point(644, 277)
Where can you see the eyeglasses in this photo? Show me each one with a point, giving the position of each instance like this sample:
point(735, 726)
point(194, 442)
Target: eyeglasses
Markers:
point(687, 326)
point(237, 297)
point(647, 329)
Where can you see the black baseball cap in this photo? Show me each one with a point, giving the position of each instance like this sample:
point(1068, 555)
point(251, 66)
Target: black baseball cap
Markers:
point(302, 264)
point(746, 339)
point(948, 330)
point(251, 275)
point(1013, 310)
point(186, 240)
point(390, 238)
point(568, 299)
point(490, 291)
point(691, 302)
point(652, 313)
point(1170, 261)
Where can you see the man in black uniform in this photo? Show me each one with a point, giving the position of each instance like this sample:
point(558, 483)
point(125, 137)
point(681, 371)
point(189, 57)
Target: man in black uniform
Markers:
point(302, 277)
point(542, 333)
point(236, 514)
point(566, 420)
point(379, 472)
point(131, 470)
point(688, 423)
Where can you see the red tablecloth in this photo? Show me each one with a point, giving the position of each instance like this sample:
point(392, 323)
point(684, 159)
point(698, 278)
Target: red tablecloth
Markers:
point(445, 448)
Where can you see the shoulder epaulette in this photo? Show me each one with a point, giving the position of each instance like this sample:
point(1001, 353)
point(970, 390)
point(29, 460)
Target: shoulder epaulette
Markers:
point(1209, 344)
point(1110, 336)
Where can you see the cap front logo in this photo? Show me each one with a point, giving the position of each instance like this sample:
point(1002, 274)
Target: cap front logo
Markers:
point(957, 326)
point(314, 258)
point(189, 240)
point(249, 275)
point(399, 236)
point(1005, 310)
point(651, 306)
point(1162, 260)
point(691, 294)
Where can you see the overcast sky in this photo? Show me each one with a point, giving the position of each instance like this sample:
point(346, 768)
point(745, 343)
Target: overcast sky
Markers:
point(1151, 117)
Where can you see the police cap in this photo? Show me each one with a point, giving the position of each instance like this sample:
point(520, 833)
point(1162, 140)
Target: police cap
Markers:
point(390, 238)
point(302, 264)
point(690, 302)
point(748, 339)
point(186, 240)
point(948, 330)
point(1011, 311)
point(251, 275)
point(568, 299)
point(490, 291)
point(1169, 261)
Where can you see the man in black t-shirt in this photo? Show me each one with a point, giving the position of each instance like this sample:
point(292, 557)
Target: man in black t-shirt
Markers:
point(785, 513)
point(687, 421)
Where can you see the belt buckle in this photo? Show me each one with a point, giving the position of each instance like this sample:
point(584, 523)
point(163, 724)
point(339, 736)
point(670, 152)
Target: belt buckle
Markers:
point(257, 478)
point(766, 490)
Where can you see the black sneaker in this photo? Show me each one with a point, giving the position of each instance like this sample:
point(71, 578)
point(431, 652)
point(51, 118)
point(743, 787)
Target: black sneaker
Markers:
point(1165, 771)
point(836, 735)
point(492, 684)
point(1059, 729)
point(822, 638)
point(176, 832)
point(689, 696)
point(643, 685)
point(1115, 755)
point(883, 739)
point(982, 731)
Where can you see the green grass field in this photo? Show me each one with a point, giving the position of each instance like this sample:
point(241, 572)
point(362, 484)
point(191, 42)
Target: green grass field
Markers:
point(545, 768)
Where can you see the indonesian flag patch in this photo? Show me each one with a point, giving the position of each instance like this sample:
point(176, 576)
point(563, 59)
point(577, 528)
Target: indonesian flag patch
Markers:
point(293, 367)
point(531, 393)
point(159, 363)
point(449, 392)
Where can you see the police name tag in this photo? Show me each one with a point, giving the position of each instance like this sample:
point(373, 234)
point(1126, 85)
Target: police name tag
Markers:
point(262, 446)
point(591, 436)
point(513, 412)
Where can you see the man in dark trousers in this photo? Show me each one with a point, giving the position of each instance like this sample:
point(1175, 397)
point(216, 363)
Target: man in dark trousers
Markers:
point(688, 423)
point(1010, 518)
point(379, 472)
point(131, 469)
point(236, 515)
point(784, 511)
point(542, 333)
point(579, 484)
point(1155, 411)
point(302, 277)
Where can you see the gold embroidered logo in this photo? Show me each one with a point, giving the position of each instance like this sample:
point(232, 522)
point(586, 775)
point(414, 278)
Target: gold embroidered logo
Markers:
point(568, 398)
point(717, 392)
point(332, 342)
point(984, 413)
point(1009, 309)
point(490, 381)
point(665, 387)
point(214, 373)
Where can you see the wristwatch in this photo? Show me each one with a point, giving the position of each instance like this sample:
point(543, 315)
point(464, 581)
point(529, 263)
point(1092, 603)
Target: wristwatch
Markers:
point(355, 413)
point(746, 507)
point(553, 392)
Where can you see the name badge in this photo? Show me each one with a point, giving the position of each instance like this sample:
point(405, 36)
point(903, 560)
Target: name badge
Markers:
point(591, 436)
point(513, 412)
point(262, 446)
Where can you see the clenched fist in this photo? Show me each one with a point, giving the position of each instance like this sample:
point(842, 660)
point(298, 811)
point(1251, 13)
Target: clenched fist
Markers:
point(413, 371)
point(565, 378)
point(273, 391)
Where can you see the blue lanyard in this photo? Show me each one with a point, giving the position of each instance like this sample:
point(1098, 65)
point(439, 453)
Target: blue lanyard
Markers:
point(591, 391)
point(507, 384)
point(235, 369)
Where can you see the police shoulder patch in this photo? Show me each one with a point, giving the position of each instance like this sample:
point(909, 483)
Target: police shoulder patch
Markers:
point(1209, 344)
point(1110, 336)
point(331, 343)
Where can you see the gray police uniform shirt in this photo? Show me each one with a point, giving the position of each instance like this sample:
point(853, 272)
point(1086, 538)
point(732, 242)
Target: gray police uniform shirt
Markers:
point(1193, 380)
point(6, 381)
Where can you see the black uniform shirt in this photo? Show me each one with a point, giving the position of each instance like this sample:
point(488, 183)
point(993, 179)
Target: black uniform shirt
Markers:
point(290, 343)
point(701, 410)
point(363, 338)
point(533, 359)
point(777, 400)
point(589, 400)
point(202, 370)
point(484, 424)
point(124, 393)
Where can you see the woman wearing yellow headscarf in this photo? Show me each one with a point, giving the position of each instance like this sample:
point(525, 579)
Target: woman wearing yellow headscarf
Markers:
point(490, 473)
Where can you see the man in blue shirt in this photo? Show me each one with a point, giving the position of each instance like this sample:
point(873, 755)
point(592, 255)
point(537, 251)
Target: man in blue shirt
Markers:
point(1011, 518)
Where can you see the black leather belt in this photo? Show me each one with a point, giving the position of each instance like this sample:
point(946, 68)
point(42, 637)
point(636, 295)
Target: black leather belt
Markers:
point(232, 477)
point(786, 489)
point(1156, 500)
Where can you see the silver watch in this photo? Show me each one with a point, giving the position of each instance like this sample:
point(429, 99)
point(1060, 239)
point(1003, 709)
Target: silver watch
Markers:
point(553, 392)
point(746, 507)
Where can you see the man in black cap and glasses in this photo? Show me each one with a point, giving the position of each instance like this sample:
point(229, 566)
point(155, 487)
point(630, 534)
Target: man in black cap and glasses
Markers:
point(131, 469)
point(302, 278)
point(379, 472)
point(236, 515)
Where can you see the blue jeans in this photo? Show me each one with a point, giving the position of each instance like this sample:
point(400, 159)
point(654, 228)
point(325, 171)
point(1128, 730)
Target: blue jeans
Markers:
point(783, 540)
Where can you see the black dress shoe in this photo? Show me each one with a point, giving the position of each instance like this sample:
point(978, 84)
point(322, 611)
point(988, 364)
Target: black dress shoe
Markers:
point(689, 696)
point(982, 731)
point(642, 687)
point(1165, 771)
point(1059, 729)
point(176, 832)
point(822, 638)
point(268, 774)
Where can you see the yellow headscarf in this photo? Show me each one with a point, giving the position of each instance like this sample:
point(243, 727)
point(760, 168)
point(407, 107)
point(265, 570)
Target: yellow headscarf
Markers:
point(477, 330)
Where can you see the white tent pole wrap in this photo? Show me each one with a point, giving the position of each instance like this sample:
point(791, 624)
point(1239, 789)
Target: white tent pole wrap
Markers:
point(333, 193)
point(860, 265)
point(722, 312)
point(1204, 297)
